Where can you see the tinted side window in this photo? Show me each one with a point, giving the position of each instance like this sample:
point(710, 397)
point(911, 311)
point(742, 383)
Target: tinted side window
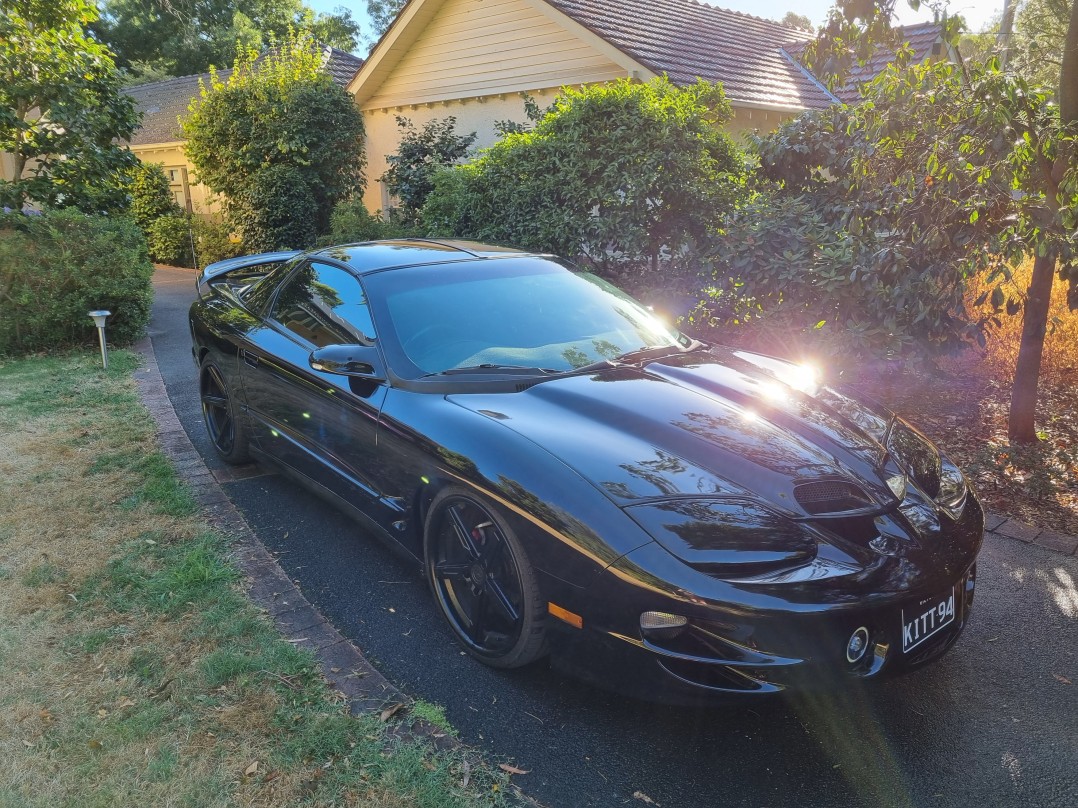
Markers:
point(324, 305)
point(258, 295)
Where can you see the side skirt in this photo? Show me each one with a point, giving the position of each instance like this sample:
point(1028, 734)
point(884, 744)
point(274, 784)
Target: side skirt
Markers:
point(346, 507)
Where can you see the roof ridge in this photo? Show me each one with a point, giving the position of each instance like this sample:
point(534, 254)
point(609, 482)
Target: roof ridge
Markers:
point(767, 20)
point(175, 78)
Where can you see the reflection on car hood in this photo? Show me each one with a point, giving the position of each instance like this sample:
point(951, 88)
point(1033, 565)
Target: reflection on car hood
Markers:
point(700, 424)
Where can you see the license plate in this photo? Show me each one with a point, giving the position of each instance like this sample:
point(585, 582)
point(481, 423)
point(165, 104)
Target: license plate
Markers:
point(920, 624)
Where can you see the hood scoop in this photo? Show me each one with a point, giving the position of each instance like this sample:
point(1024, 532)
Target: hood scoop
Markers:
point(831, 497)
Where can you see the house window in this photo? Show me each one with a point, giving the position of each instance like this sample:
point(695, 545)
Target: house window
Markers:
point(390, 201)
point(172, 175)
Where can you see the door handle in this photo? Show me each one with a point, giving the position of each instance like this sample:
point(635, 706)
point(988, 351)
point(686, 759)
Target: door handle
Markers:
point(249, 358)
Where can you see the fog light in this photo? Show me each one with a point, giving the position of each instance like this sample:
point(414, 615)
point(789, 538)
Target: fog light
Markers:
point(663, 622)
point(856, 647)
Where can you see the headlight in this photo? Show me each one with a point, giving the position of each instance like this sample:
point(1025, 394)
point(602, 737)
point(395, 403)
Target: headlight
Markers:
point(917, 454)
point(870, 418)
point(953, 489)
point(726, 536)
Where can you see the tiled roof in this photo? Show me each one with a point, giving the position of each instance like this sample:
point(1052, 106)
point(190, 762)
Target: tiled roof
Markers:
point(342, 66)
point(162, 103)
point(921, 38)
point(687, 39)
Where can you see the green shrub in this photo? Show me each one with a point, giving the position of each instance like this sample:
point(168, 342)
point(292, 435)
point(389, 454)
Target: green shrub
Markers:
point(169, 239)
point(213, 240)
point(450, 209)
point(410, 176)
point(352, 222)
point(151, 196)
point(56, 267)
point(279, 109)
point(277, 211)
point(621, 173)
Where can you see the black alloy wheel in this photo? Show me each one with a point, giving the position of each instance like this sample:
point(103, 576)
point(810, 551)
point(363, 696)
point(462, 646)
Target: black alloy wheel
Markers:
point(227, 432)
point(483, 582)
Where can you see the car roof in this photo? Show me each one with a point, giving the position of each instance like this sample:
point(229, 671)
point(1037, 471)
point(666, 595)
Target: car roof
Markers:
point(372, 256)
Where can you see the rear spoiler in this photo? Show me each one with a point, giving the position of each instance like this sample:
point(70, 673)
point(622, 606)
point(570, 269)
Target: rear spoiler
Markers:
point(245, 261)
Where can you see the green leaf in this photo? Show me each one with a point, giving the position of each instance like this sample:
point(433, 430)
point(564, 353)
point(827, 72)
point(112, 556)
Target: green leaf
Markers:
point(997, 297)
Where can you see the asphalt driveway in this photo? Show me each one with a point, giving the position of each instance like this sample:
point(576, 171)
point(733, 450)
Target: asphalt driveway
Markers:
point(995, 723)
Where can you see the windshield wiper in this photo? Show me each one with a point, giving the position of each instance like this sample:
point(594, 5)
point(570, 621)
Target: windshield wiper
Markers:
point(639, 356)
point(488, 367)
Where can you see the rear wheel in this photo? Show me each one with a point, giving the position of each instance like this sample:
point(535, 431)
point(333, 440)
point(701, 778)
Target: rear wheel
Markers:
point(224, 421)
point(482, 581)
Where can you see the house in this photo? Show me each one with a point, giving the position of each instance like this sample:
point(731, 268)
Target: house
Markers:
point(472, 59)
point(158, 139)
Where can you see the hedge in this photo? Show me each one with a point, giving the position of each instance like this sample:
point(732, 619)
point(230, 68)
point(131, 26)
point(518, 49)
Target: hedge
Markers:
point(56, 267)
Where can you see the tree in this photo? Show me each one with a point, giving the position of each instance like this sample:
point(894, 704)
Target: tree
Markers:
point(61, 109)
point(382, 14)
point(1040, 30)
point(410, 176)
point(153, 39)
point(870, 219)
point(278, 110)
point(151, 196)
point(795, 20)
point(336, 30)
point(1042, 162)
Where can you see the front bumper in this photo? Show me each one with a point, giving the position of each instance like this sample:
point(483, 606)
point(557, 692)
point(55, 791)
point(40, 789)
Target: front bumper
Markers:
point(752, 642)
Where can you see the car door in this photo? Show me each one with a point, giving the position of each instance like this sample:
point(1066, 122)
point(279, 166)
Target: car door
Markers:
point(320, 424)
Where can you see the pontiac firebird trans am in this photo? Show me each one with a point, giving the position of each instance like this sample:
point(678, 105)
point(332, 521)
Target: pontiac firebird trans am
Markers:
point(665, 517)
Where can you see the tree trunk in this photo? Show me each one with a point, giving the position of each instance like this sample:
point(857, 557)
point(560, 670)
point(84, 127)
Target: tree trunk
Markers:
point(1028, 370)
point(1068, 74)
point(1035, 317)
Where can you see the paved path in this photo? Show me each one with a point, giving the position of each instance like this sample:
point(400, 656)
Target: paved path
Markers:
point(995, 723)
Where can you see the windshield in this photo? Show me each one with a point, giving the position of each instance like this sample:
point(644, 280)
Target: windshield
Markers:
point(519, 312)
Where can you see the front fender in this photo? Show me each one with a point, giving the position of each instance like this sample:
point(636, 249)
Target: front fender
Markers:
point(571, 530)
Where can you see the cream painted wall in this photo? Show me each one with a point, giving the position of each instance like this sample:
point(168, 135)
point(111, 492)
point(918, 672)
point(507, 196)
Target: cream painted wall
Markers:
point(473, 115)
point(487, 47)
point(7, 166)
point(189, 194)
point(746, 121)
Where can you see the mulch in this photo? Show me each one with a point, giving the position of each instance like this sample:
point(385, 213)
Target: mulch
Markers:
point(964, 408)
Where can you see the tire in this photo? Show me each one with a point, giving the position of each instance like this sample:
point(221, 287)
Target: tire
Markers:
point(482, 581)
point(225, 423)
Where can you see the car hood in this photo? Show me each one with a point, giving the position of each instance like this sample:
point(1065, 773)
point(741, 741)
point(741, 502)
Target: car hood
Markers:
point(702, 424)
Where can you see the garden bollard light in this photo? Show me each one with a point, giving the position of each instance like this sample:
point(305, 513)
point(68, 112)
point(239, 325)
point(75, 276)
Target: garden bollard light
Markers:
point(99, 321)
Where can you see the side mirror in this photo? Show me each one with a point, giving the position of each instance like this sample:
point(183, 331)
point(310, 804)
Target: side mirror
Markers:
point(358, 361)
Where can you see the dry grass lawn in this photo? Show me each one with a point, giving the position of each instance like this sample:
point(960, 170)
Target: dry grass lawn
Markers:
point(132, 670)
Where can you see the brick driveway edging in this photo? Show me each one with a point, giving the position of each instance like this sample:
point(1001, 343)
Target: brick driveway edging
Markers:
point(267, 585)
point(999, 525)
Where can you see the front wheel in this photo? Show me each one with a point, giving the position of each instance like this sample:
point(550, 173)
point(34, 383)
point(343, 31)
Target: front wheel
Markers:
point(482, 581)
point(220, 412)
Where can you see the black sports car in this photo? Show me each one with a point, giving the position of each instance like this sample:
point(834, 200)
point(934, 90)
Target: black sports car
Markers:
point(666, 517)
